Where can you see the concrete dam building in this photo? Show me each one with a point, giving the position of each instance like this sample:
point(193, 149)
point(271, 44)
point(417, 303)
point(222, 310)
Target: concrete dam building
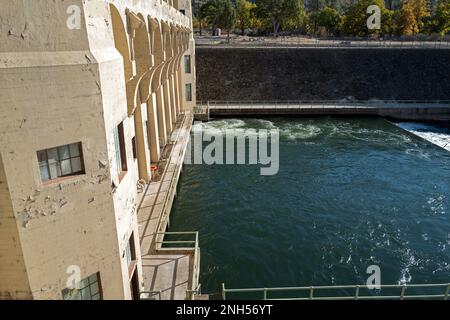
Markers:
point(90, 92)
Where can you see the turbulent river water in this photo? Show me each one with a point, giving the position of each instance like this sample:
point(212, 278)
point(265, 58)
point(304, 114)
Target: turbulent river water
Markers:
point(349, 193)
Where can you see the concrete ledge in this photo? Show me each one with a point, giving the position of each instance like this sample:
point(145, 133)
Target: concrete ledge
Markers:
point(430, 112)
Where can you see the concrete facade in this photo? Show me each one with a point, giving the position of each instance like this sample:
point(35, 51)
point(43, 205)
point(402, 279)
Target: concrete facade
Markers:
point(73, 72)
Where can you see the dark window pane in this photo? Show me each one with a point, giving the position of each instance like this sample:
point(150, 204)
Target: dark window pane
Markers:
point(86, 293)
point(187, 64)
point(63, 152)
point(188, 92)
point(55, 170)
point(42, 157)
point(117, 147)
point(52, 155)
point(74, 150)
point(66, 167)
point(94, 288)
point(44, 173)
point(76, 165)
point(93, 278)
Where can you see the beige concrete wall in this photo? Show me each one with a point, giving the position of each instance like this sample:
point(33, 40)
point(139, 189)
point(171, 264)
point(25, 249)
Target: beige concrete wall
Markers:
point(60, 86)
point(189, 78)
point(14, 279)
point(70, 222)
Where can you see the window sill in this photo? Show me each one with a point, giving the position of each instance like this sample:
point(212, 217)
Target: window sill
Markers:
point(56, 181)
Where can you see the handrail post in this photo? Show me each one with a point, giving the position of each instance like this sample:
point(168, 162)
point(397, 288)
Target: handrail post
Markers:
point(447, 292)
point(402, 294)
point(357, 292)
point(223, 292)
point(311, 293)
point(265, 294)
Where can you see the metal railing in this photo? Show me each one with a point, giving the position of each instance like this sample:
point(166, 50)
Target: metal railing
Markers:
point(313, 103)
point(309, 293)
point(184, 245)
point(190, 244)
point(190, 294)
point(322, 43)
point(160, 243)
point(149, 295)
point(165, 212)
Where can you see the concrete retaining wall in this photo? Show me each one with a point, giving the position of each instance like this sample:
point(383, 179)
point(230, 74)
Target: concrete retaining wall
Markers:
point(322, 74)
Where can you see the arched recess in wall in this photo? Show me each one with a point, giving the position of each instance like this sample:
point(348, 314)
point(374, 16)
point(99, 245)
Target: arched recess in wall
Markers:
point(157, 41)
point(151, 80)
point(142, 52)
point(143, 57)
point(121, 41)
point(167, 36)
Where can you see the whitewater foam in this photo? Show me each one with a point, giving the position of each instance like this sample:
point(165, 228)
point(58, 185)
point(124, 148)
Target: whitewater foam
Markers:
point(436, 135)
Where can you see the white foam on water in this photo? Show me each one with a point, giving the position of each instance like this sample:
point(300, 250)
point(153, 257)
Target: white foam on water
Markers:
point(436, 135)
point(266, 124)
point(299, 131)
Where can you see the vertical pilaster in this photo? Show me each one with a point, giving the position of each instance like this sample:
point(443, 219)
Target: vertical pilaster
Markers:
point(181, 89)
point(153, 132)
point(167, 107)
point(172, 99)
point(161, 116)
point(143, 164)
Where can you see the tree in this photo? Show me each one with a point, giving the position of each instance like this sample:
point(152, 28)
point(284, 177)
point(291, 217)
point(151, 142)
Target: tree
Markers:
point(277, 11)
point(245, 14)
point(355, 20)
point(330, 19)
point(210, 12)
point(440, 20)
point(406, 21)
point(220, 14)
point(227, 17)
point(412, 16)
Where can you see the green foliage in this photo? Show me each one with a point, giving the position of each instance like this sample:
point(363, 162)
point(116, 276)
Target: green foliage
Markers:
point(348, 17)
point(355, 21)
point(439, 22)
point(276, 12)
point(227, 18)
point(412, 16)
point(295, 23)
point(219, 14)
point(245, 14)
point(330, 19)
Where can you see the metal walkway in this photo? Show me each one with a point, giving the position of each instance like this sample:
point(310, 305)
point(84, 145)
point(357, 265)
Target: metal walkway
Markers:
point(401, 110)
point(170, 260)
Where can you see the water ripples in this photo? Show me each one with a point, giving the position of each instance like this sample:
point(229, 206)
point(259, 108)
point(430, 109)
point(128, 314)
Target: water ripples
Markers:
point(349, 193)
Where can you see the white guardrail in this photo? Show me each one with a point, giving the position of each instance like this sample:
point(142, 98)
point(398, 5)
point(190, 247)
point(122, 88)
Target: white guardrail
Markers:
point(385, 292)
point(240, 104)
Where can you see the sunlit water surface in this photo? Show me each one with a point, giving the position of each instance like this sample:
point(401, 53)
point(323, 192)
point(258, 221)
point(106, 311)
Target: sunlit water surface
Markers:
point(350, 193)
